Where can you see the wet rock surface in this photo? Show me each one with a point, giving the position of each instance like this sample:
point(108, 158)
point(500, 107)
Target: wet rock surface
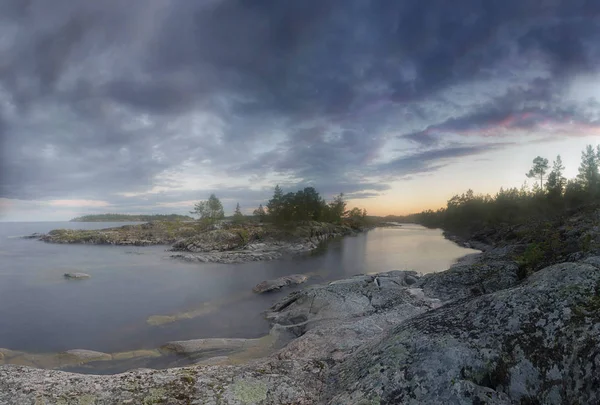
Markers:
point(278, 283)
point(384, 339)
point(201, 345)
point(388, 338)
point(482, 332)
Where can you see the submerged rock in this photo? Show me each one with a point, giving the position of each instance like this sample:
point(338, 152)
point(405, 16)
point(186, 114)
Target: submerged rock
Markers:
point(280, 282)
point(389, 338)
point(85, 356)
point(203, 345)
point(76, 276)
point(32, 236)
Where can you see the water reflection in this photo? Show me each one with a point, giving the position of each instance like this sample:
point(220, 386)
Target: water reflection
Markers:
point(41, 312)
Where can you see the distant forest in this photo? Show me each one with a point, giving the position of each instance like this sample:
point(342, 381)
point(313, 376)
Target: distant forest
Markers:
point(551, 196)
point(131, 218)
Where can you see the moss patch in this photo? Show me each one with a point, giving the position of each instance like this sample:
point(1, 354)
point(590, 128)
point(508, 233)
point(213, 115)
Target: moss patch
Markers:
point(156, 396)
point(249, 391)
point(87, 399)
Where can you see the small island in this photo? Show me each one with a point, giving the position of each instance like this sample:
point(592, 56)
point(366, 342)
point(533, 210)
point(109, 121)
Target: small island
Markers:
point(292, 223)
point(131, 218)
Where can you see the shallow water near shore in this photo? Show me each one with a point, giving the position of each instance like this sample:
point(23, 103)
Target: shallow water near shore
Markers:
point(138, 298)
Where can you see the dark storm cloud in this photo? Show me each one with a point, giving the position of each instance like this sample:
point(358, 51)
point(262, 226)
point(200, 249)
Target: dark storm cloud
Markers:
point(517, 110)
point(432, 160)
point(103, 97)
point(424, 138)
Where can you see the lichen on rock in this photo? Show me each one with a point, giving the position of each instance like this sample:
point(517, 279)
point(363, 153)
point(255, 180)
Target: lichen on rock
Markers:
point(472, 334)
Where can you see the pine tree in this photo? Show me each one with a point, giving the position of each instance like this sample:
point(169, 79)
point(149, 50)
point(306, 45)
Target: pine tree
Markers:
point(539, 169)
point(556, 181)
point(260, 213)
point(588, 169)
point(275, 204)
point(238, 217)
point(211, 210)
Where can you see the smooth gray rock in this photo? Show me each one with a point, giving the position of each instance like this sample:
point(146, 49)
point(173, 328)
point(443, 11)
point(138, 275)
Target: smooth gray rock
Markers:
point(375, 339)
point(289, 382)
point(334, 320)
point(538, 342)
point(479, 276)
point(280, 282)
point(77, 276)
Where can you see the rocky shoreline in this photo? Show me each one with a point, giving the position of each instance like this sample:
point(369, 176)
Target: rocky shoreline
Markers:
point(224, 243)
point(483, 332)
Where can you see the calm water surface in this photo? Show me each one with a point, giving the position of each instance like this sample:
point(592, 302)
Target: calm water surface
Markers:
point(40, 311)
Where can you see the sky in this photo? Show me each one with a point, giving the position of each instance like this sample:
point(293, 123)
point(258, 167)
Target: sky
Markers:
point(148, 106)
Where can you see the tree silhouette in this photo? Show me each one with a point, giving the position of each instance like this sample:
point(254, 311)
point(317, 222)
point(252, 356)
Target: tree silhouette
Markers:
point(588, 169)
point(238, 217)
point(556, 181)
point(539, 169)
point(260, 213)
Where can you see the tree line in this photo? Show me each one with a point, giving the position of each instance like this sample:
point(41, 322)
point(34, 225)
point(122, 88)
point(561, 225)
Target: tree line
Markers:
point(303, 205)
point(551, 195)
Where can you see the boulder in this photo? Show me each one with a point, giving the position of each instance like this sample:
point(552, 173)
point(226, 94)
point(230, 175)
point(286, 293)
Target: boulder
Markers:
point(538, 342)
point(333, 320)
point(77, 276)
point(280, 282)
point(358, 296)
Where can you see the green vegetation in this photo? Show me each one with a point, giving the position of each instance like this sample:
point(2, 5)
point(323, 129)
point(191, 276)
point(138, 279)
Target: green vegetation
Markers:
point(260, 213)
point(536, 218)
point(151, 233)
point(539, 169)
point(238, 217)
point(469, 212)
point(130, 218)
point(288, 209)
point(308, 205)
point(210, 210)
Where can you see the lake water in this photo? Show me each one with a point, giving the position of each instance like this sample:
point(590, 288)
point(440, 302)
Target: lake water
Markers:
point(42, 312)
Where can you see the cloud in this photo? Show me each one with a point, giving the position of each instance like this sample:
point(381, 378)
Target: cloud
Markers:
point(78, 203)
point(538, 108)
point(101, 99)
point(434, 159)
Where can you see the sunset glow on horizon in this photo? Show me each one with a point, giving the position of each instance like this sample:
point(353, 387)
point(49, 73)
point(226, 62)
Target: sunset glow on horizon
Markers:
point(148, 107)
